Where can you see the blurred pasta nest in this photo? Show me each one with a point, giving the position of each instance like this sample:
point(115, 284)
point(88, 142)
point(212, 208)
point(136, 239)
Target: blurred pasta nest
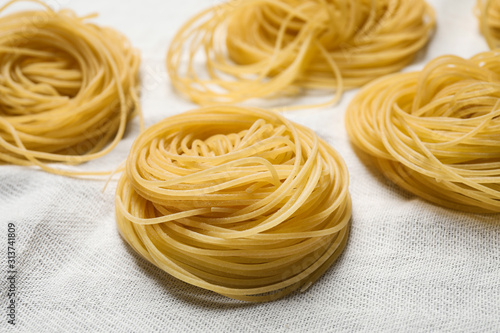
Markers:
point(239, 201)
point(488, 12)
point(259, 48)
point(436, 132)
point(68, 87)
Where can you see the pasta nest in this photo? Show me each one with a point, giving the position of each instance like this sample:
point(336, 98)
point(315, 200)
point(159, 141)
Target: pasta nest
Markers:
point(436, 132)
point(262, 48)
point(239, 201)
point(488, 12)
point(68, 87)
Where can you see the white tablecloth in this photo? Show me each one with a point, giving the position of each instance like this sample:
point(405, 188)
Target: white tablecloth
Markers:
point(408, 266)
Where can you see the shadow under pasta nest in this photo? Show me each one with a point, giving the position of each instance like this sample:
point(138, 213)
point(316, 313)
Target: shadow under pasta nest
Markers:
point(210, 300)
point(387, 185)
point(182, 290)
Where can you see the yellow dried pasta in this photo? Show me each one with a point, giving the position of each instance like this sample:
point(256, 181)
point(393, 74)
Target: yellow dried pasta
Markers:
point(436, 132)
point(67, 87)
point(489, 19)
point(264, 48)
point(239, 201)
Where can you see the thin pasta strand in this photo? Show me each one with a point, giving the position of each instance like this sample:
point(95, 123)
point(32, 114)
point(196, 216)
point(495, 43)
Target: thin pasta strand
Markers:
point(267, 48)
point(239, 201)
point(436, 132)
point(68, 88)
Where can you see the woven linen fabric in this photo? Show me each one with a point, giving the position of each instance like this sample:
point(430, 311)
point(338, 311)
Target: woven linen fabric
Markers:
point(408, 265)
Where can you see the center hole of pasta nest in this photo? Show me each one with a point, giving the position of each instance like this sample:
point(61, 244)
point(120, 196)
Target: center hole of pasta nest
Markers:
point(52, 73)
point(34, 83)
point(258, 139)
point(217, 141)
point(239, 157)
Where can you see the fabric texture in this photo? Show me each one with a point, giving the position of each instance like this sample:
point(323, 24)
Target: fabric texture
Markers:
point(408, 265)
